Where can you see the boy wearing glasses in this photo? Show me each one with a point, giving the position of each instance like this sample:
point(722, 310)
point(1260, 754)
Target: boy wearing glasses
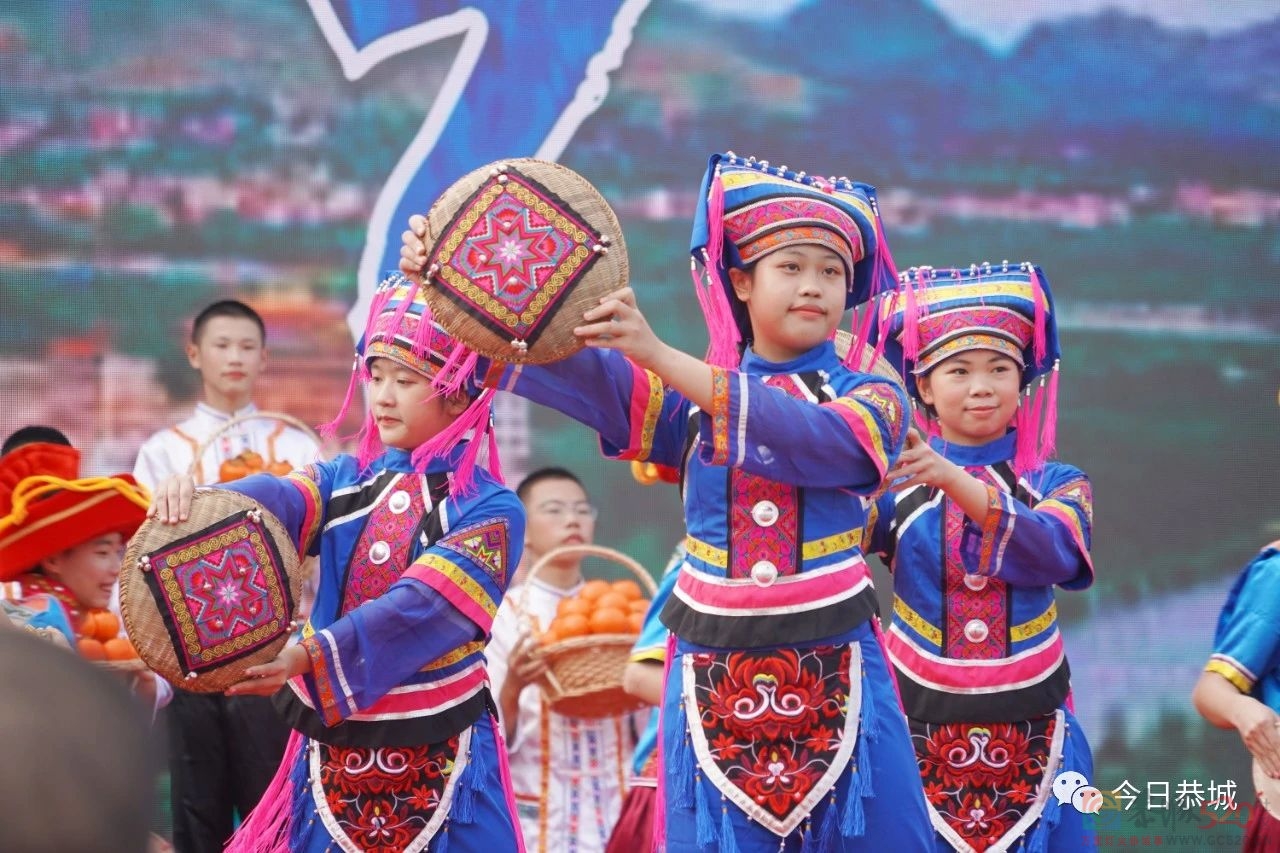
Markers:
point(568, 774)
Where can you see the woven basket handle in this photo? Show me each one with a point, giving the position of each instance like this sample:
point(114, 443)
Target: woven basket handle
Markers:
point(248, 416)
point(587, 551)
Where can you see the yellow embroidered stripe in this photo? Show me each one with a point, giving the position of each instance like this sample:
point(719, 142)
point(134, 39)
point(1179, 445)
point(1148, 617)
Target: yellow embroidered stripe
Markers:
point(1237, 678)
point(652, 408)
point(832, 544)
point(454, 656)
point(874, 433)
point(1035, 626)
point(458, 576)
point(315, 516)
point(1068, 512)
point(917, 622)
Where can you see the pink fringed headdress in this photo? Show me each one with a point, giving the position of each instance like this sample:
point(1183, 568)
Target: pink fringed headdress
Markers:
point(401, 328)
point(934, 314)
point(748, 209)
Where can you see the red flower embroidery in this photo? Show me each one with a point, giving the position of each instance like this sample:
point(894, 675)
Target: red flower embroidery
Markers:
point(778, 780)
point(764, 697)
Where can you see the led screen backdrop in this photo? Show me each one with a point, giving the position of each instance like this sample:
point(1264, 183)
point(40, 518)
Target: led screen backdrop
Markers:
point(156, 156)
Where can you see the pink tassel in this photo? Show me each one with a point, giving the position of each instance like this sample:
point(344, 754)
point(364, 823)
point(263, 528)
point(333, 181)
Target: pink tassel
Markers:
point(884, 270)
point(1037, 295)
point(722, 329)
point(266, 828)
point(493, 460)
point(410, 289)
point(1049, 423)
point(370, 446)
point(474, 420)
point(329, 430)
point(458, 368)
point(715, 221)
point(423, 334)
point(911, 320)
point(1024, 455)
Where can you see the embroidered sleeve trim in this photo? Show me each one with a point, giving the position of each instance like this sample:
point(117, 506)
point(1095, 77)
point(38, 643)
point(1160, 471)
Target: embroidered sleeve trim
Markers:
point(457, 586)
point(311, 517)
point(997, 517)
point(647, 398)
point(1072, 504)
point(1227, 668)
point(862, 423)
point(720, 416)
point(323, 677)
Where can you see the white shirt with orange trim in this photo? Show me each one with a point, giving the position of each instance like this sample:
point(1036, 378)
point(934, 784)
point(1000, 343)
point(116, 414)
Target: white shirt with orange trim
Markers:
point(171, 451)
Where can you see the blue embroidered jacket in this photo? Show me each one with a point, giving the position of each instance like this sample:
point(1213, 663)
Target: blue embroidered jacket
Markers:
point(1246, 644)
point(410, 579)
point(974, 636)
point(771, 478)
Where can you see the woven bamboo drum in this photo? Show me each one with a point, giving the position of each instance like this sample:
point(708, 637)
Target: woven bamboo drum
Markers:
point(207, 598)
point(517, 251)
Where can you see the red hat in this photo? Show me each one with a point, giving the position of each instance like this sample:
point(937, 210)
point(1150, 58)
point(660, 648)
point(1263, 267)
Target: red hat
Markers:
point(46, 507)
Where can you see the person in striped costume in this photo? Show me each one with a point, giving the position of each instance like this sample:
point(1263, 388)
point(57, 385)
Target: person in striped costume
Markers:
point(780, 727)
point(395, 745)
point(978, 527)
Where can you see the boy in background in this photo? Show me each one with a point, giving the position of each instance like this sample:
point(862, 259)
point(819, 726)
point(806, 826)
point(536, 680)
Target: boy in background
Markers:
point(223, 750)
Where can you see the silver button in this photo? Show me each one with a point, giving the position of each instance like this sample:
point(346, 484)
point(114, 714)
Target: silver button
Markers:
point(765, 513)
point(975, 630)
point(399, 501)
point(764, 573)
point(379, 552)
point(975, 582)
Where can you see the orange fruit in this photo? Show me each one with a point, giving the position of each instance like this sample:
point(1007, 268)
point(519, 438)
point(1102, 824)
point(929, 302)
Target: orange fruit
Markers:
point(573, 605)
point(572, 625)
point(609, 620)
point(628, 589)
point(636, 621)
point(639, 605)
point(91, 649)
point(119, 648)
point(549, 636)
point(612, 600)
point(593, 589)
point(100, 625)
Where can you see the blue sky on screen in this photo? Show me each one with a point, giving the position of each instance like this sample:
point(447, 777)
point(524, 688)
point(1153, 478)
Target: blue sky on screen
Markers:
point(1002, 22)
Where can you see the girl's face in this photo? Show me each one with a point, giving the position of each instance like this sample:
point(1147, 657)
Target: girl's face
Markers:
point(406, 408)
point(795, 298)
point(90, 570)
point(975, 395)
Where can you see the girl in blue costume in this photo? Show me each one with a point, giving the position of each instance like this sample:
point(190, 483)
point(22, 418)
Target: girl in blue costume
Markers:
point(780, 728)
point(978, 529)
point(395, 744)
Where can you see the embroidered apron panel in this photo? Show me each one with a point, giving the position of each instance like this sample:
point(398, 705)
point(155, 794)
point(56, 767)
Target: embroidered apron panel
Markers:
point(389, 799)
point(987, 783)
point(774, 730)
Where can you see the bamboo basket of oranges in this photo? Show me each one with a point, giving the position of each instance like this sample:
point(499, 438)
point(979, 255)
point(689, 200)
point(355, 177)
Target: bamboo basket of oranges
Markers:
point(588, 643)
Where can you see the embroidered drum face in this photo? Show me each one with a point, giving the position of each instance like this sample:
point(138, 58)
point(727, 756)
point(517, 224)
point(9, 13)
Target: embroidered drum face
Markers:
point(205, 599)
point(517, 251)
